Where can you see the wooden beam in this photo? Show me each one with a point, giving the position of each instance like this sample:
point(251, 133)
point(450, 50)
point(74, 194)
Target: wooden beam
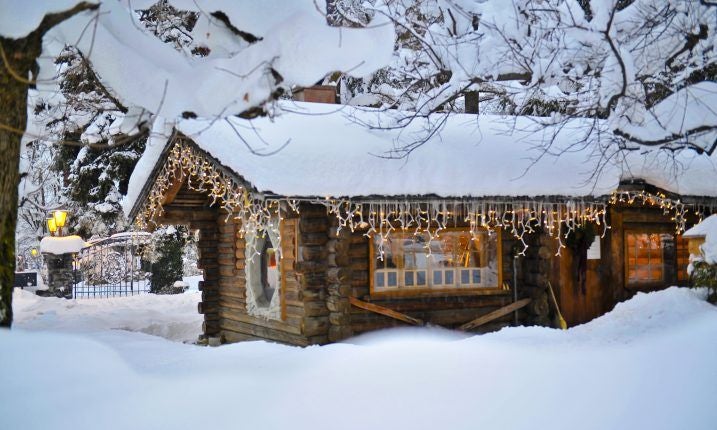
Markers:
point(384, 311)
point(174, 215)
point(178, 181)
point(505, 310)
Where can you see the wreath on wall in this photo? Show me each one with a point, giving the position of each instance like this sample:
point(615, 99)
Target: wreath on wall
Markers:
point(579, 240)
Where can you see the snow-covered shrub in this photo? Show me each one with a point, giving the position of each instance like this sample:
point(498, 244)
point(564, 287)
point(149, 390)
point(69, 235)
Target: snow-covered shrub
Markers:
point(191, 255)
point(705, 275)
point(165, 253)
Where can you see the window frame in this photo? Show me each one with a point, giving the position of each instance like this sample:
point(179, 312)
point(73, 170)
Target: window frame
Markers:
point(428, 291)
point(667, 263)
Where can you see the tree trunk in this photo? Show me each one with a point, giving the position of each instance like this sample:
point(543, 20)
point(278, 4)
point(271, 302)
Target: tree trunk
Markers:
point(20, 57)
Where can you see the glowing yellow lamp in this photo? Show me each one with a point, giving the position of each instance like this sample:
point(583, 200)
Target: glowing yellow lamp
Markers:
point(33, 252)
point(51, 226)
point(60, 218)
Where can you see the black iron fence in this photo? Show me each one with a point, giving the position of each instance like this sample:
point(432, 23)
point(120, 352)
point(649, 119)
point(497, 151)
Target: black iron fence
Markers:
point(112, 267)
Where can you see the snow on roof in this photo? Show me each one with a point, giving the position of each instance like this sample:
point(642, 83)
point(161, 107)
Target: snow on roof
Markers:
point(708, 230)
point(62, 245)
point(707, 225)
point(319, 150)
point(330, 152)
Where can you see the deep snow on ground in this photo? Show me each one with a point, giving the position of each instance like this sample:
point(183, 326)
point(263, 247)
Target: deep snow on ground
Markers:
point(650, 363)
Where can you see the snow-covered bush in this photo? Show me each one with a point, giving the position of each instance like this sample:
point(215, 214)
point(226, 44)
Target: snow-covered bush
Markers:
point(165, 254)
point(705, 275)
point(703, 266)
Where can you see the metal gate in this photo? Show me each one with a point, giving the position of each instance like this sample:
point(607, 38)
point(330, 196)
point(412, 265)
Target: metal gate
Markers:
point(113, 267)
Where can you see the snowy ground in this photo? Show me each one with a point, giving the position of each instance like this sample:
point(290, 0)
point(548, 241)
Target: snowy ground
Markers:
point(88, 364)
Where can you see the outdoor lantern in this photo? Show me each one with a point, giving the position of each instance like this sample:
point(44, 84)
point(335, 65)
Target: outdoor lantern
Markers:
point(33, 252)
point(51, 226)
point(60, 217)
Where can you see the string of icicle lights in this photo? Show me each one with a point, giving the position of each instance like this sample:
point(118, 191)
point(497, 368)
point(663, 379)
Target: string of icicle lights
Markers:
point(677, 208)
point(382, 218)
point(183, 161)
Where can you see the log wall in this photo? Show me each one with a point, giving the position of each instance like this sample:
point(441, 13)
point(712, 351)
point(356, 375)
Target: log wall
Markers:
point(223, 258)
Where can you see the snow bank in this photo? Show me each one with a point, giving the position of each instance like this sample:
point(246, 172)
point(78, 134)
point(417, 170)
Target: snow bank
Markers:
point(647, 364)
point(707, 229)
point(62, 245)
point(331, 151)
point(172, 317)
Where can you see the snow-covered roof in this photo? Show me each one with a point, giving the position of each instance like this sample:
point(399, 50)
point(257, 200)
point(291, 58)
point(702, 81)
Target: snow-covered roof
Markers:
point(318, 150)
point(62, 245)
point(707, 225)
point(707, 229)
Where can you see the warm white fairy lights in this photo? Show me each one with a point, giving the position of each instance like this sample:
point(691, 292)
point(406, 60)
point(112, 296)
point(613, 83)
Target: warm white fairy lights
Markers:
point(184, 161)
point(382, 217)
point(672, 207)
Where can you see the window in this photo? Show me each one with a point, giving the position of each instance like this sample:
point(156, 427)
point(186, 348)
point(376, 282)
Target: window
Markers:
point(645, 257)
point(263, 275)
point(453, 260)
point(269, 271)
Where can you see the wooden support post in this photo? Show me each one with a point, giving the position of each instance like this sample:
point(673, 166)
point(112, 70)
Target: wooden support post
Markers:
point(384, 311)
point(505, 310)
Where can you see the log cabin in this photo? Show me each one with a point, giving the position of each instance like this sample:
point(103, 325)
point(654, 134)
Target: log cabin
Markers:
point(320, 224)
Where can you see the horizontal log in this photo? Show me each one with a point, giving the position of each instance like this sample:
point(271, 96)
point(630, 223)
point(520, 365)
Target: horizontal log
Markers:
point(337, 333)
point(226, 260)
point(308, 210)
point(259, 332)
point(313, 225)
point(494, 315)
point(338, 260)
point(231, 303)
point(312, 295)
point(359, 264)
point(358, 251)
point(315, 326)
point(318, 239)
point(234, 337)
point(442, 303)
point(182, 215)
point(313, 253)
point(240, 316)
point(339, 318)
point(338, 246)
point(210, 328)
point(232, 290)
point(226, 271)
point(312, 280)
point(319, 340)
point(294, 309)
point(312, 309)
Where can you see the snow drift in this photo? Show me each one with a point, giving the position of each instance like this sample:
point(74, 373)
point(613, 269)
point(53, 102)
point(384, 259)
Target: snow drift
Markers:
point(647, 364)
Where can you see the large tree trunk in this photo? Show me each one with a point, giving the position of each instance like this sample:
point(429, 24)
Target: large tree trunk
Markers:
point(20, 57)
point(17, 60)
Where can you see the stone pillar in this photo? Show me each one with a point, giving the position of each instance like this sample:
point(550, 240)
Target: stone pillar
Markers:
point(60, 275)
